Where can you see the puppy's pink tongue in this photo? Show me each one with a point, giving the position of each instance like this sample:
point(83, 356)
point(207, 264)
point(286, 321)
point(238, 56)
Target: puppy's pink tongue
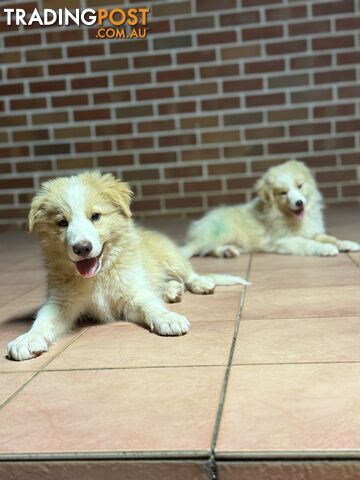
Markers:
point(87, 268)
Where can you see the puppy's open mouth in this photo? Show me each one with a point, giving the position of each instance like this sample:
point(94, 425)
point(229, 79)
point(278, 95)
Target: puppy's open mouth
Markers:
point(299, 213)
point(90, 266)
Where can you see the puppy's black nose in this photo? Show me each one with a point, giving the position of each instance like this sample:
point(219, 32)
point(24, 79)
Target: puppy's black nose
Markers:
point(82, 248)
point(299, 203)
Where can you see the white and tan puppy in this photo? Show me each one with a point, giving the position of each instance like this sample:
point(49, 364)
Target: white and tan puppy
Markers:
point(285, 217)
point(99, 263)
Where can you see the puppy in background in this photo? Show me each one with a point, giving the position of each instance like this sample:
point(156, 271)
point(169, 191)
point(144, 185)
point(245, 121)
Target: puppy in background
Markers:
point(285, 217)
point(100, 263)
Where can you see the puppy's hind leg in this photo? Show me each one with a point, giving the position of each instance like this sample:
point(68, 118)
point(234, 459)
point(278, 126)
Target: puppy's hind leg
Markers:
point(173, 291)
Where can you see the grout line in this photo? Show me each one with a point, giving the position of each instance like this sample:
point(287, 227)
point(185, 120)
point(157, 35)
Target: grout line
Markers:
point(226, 377)
point(352, 259)
point(14, 394)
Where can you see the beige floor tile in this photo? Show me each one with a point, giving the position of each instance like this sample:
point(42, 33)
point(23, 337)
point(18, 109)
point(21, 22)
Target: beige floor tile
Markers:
point(114, 410)
point(292, 408)
point(11, 292)
point(129, 346)
point(17, 326)
point(234, 266)
point(298, 340)
point(305, 277)
point(302, 302)
point(356, 257)
point(221, 306)
point(108, 469)
point(10, 382)
point(289, 470)
point(273, 261)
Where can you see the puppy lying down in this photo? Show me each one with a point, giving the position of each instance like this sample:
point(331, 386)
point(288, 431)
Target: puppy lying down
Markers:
point(100, 263)
point(285, 217)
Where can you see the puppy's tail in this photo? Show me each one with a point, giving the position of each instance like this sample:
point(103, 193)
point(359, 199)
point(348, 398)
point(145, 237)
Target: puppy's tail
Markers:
point(227, 280)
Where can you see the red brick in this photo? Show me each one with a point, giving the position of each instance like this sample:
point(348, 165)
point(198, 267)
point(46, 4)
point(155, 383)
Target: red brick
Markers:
point(334, 76)
point(202, 186)
point(220, 103)
point(155, 126)
point(244, 151)
point(33, 166)
point(198, 89)
point(265, 132)
point(28, 135)
point(336, 175)
point(348, 126)
point(283, 81)
point(11, 183)
point(334, 143)
point(92, 114)
point(264, 66)
point(69, 100)
point(345, 58)
point(227, 168)
point(206, 5)
point(312, 95)
point(285, 13)
point(262, 32)
point(241, 18)
point(331, 43)
point(112, 64)
point(89, 82)
point(319, 160)
point(288, 147)
point(216, 37)
point(162, 26)
point(85, 51)
point(173, 140)
point(115, 160)
point(132, 78)
point(64, 68)
point(175, 75)
point(194, 23)
point(179, 172)
point(160, 188)
point(352, 158)
point(184, 202)
point(245, 51)
point(9, 152)
point(334, 110)
point(98, 146)
point(202, 154)
point(154, 93)
point(241, 183)
point(221, 137)
point(158, 157)
point(350, 91)
point(243, 85)
point(133, 175)
point(64, 35)
point(196, 56)
point(152, 61)
point(136, 142)
point(177, 107)
point(48, 86)
point(113, 129)
point(266, 99)
point(11, 88)
point(349, 23)
point(199, 122)
point(172, 42)
point(25, 72)
point(330, 8)
point(174, 8)
point(350, 190)
point(141, 205)
point(28, 103)
point(288, 114)
point(310, 129)
point(280, 48)
point(311, 61)
point(220, 71)
point(308, 27)
point(22, 40)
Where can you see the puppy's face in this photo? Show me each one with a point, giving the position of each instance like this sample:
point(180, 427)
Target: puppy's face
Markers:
point(289, 187)
point(80, 218)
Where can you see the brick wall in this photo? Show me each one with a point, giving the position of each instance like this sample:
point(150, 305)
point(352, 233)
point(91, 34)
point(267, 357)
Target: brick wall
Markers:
point(218, 92)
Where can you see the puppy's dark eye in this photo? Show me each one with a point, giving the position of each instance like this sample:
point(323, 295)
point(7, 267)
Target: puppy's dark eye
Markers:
point(95, 217)
point(283, 193)
point(300, 186)
point(63, 223)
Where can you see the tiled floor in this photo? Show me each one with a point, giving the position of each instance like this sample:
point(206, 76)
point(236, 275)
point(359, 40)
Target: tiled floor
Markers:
point(266, 384)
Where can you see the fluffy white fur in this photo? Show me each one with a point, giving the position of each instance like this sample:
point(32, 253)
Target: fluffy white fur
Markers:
point(285, 217)
point(100, 263)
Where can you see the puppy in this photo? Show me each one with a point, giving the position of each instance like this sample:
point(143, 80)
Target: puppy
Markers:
point(285, 217)
point(99, 263)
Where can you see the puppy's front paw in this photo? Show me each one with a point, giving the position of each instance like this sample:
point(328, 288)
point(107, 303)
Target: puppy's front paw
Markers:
point(171, 323)
point(27, 346)
point(347, 246)
point(226, 251)
point(327, 250)
point(201, 285)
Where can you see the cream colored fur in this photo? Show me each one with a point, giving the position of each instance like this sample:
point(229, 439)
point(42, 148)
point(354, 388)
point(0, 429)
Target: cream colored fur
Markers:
point(137, 269)
point(269, 223)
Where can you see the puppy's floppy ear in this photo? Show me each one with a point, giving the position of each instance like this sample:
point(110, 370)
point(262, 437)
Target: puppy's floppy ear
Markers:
point(264, 190)
point(118, 192)
point(37, 209)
